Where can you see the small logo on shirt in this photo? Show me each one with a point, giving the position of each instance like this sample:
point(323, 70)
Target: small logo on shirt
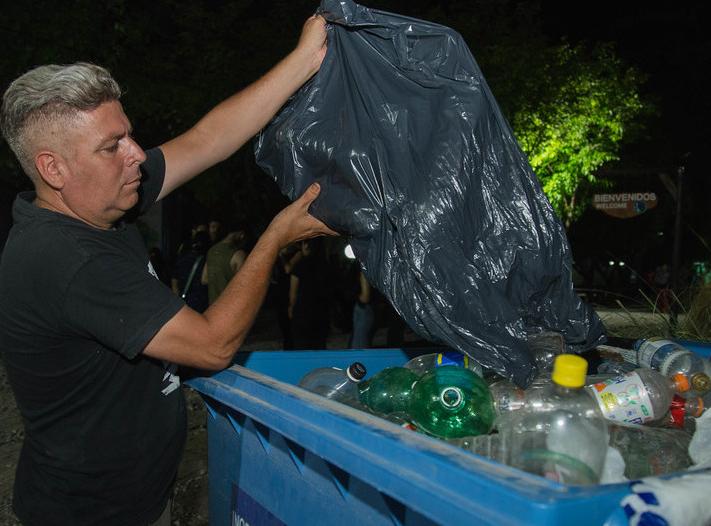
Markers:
point(152, 270)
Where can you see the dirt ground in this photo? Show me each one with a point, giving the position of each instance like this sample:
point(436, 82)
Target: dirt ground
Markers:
point(190, 506)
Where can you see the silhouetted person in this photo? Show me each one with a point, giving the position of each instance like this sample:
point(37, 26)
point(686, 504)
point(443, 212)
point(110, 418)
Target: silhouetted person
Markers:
point(187, 273)
point(308, 298)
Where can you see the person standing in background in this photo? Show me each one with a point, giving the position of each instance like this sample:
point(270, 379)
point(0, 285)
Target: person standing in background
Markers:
point(187, 273)
point(224, 259)
point(363, 316)
point(308, 298)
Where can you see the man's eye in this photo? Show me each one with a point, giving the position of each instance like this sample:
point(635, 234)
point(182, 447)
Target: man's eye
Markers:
point(112, 148)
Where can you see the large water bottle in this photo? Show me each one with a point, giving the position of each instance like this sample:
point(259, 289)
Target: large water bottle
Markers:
point(451, 402)
point(426, 362)
point(561, 436)
point(388, 391)
point(638, 397)
point(334, 383)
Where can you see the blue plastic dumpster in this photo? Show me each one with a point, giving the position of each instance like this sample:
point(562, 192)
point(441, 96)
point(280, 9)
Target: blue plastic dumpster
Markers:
point(281, 455)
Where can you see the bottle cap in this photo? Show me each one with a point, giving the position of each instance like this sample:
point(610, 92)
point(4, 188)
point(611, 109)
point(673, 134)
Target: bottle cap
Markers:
point(569, 370)
point(699, 406)
point(700, 382)
point(681, 382)
point(356, 371)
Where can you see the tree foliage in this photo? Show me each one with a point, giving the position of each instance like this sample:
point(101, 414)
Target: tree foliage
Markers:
point(588, 102)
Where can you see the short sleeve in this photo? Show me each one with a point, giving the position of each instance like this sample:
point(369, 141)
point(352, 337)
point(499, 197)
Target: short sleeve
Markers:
point(111, 302)
point(153, 175)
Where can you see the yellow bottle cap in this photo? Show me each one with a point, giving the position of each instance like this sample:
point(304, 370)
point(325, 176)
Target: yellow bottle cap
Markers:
point(569, 370)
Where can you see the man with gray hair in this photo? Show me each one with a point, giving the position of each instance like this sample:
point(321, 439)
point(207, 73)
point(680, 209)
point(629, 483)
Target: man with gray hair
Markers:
point(87, 334)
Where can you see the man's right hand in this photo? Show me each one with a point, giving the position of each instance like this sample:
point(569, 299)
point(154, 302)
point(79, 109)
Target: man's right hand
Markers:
point(294, 223)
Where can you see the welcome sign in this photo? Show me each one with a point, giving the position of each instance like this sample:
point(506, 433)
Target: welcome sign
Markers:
point(625, 204)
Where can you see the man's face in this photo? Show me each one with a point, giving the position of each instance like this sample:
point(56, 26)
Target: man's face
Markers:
point(102, 166)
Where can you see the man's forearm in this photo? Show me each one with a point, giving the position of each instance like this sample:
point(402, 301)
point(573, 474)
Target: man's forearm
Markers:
point(234, 312)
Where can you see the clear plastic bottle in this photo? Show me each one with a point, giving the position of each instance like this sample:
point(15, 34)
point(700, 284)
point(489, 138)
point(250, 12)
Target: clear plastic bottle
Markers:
point(489, 446)
point(544, 347)
point(426, 362)
point(650, 451)
point(561, 436)
point(451, 402)
point(508, 397)
point(667, 357)
point(638, 397)
point(388, 391)
point(334, 383)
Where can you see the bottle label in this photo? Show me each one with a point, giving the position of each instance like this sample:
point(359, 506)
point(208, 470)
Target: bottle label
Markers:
point(677, 411)
point(653, 353)
point(624, 399)
point(452, 358)
point(629, 355)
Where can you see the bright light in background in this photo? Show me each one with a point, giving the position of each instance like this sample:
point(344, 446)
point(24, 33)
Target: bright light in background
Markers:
point(348, 252)
point(611, 263)
point(621, 263)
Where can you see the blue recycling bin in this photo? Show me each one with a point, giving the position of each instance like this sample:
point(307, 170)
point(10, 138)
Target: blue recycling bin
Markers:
point(278, 454)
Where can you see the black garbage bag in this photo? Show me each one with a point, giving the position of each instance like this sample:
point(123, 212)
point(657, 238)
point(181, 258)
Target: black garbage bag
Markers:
point(419, 167)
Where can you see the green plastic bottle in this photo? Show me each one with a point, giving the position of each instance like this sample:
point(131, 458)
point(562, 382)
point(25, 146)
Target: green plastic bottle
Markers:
point(388, 391)
point(452, 402)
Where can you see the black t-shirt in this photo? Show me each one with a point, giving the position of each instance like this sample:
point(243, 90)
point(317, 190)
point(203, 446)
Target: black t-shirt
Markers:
point(104, 425)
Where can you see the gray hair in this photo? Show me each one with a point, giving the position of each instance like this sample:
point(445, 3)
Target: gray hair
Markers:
point(47, 97)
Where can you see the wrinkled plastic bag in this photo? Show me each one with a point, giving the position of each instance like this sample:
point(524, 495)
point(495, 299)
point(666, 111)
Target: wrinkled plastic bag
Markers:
point(419, 167)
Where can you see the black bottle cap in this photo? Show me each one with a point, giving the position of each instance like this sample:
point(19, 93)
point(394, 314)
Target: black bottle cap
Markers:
point(356, 371)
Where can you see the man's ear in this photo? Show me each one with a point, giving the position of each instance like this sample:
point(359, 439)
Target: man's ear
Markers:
point(50, 168)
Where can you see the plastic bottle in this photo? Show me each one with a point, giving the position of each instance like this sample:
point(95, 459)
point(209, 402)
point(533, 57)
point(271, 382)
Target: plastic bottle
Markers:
point(682, 410)
point(507, 396)
point(334, 383)
point(426, 362)
point(562, 436)
point(388, 391)
point(650, 451)
point(544, 347)
point(667, 357)
point(451, 402)
point(489, 446)
point(638, 397)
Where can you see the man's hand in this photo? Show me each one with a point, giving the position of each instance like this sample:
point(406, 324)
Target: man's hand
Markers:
point(313, 41)
point(294, 223)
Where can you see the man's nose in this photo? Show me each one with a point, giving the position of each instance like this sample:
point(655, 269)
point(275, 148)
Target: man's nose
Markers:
point(135, 153)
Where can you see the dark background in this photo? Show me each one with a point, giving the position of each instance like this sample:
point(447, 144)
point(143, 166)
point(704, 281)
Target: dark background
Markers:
point(175, 60)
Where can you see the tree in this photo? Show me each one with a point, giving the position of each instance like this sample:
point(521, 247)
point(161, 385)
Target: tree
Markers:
point(584, 105)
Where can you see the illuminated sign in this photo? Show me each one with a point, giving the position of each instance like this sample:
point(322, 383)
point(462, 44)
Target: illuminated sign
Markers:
point(626, 204)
